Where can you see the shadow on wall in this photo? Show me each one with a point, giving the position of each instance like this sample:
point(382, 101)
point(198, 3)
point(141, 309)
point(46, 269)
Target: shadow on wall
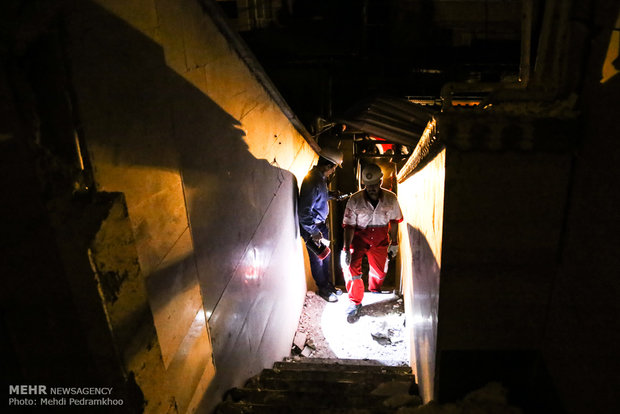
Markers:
point(228, 190)
point(143, 124)
point(243, 219)
point(149, 116)
point(425, 303)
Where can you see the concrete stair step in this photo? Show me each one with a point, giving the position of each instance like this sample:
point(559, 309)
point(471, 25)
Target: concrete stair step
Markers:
point(340, 367)
point(344, 361)
point(323, 386)
point(338, 386)
point(269, 378)
point(318, 399)
point(228, 407)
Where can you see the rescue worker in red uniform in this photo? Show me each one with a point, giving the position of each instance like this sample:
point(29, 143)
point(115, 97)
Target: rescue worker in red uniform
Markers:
point(370, 224)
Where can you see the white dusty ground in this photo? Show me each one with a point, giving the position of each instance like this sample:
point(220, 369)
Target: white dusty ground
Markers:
point(378, 335)
point(325, 333)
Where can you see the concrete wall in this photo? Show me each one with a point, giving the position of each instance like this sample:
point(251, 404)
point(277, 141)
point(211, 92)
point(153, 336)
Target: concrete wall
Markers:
point(503, 222)
point(178, 123)
point(196, 254)
point(421, 199)
point(584, 313)
point(529, 252)
point(484, 221)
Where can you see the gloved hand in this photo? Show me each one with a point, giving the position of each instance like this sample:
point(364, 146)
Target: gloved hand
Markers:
point(334, 195)
point(316, 237)
point(392, 250)
point(345, 258)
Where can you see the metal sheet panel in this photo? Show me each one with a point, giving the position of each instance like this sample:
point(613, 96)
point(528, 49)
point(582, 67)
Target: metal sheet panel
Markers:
point(263, 296)
point(422, 200)
point(396, 120)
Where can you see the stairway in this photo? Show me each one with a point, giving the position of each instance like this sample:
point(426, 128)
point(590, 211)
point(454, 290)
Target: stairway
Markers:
point(317, 386)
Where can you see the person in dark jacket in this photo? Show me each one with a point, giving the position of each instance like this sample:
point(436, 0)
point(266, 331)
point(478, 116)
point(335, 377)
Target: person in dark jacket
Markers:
point(313, 209)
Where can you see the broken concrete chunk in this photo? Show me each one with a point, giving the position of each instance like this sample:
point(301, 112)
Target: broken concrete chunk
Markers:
point(307, 351)
point(300, 339)
point(381, 338)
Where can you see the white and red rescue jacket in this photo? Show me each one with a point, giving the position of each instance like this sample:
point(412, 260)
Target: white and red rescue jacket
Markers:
point(371, 224)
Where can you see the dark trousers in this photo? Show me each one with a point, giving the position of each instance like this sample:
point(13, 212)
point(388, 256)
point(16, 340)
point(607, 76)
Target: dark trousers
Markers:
point(321, 269)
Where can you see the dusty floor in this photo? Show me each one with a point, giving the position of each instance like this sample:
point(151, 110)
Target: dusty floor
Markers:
point(378, 335)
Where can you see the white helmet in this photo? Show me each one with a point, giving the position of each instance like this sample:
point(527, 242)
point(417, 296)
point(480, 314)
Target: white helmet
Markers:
point(332, 154)
point(372, 174)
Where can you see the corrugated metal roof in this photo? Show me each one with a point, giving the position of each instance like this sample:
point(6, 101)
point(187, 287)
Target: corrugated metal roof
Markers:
point(393, 119)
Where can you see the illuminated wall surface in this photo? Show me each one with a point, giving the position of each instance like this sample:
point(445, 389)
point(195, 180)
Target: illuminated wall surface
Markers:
point(421, 199)
point(208, 165)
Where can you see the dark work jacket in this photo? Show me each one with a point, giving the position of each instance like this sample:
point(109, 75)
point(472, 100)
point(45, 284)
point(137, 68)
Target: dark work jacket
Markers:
point(313, 206)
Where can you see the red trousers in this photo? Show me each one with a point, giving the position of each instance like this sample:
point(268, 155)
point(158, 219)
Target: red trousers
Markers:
point(377, 257)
